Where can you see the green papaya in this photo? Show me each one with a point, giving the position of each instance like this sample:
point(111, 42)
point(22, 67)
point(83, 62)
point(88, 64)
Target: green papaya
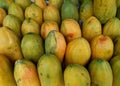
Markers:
point(13, 23)
point(25, 73)
point(86, 10)
point(32, 46)
point(5, 4)
point(118, 3)
point(104, 9)
point(100, 73)
point(16, 10)
point(50, 70)
point(115, 65)
point(69, 10)
point(6, 72)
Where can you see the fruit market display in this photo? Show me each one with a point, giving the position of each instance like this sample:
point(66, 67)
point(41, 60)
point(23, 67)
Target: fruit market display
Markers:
point(60, 43)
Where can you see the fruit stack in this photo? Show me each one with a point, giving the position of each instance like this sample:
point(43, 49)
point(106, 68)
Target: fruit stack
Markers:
point(59, 43)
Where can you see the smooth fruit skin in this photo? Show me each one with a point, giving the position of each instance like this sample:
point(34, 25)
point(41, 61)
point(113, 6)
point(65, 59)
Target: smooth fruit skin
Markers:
point(115, 65)
point(86, 10)
point(29, 25)
point(35, 12)
point(16, 10)
point(112, 28)
point(76, 75)
point(41, 3)
point(78, 51)
point(91, 28)
point(48, 26)
point(23, 3)
point(51, 13)
point(55, 44)
point(32, 46)
point(6, 72)
point(100, 73)
point(102, 47)
point(50, 71)
point(10, 44)
point(13, 23)
point(25, 73)
point(70, 29)
point(104, 11)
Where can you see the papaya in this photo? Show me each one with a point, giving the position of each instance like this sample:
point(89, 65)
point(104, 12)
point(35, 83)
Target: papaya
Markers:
point(114, 62)
point(56, 3)
point(23, 3)
point(50, 70)
point(86, 10)
point(116, 46)
point(75, 2)
point(6, 72)
point(51, 13)
point(29, 25)
point(16, 10)
point(48, 26)
point(10, 44)
point(104, 9)
point(35, 12)
point(78, 52)
point(69, 10)
point(76, 75)
point(100, 73)
point(32, 46)
point(70, 29)
point(41, 3)
point(5, 4)
point(91, 28)
point(55, 44)
point(111, 28)
point(3, 14)
point(25, 73)
point(13, 23)
point(102, 47)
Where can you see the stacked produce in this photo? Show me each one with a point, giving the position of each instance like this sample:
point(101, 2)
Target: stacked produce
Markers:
point(59, 43)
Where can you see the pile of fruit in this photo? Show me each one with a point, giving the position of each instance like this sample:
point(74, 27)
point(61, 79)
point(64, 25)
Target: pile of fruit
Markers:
point(60, 43)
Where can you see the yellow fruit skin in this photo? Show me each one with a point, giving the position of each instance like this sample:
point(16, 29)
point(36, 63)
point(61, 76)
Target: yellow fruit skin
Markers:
point(16, 10)
point(30, 26)
point(23, 3)
point(104, 9)
point(41, 3)
point(48, 26)
point(78, 51)
point(100, 73)
point(76, 75)
point(25, 73)
point(56, 3)
point(115, 64)
point(117, 46)
point(51, 13)
point(6, 72)
point(50, 71)
point(55, 44)
point(91, 28)
point(10, 44)
point(102, 47)
point(2, 15)
point(111, 28)
point(35, 12)
point(70, 29)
